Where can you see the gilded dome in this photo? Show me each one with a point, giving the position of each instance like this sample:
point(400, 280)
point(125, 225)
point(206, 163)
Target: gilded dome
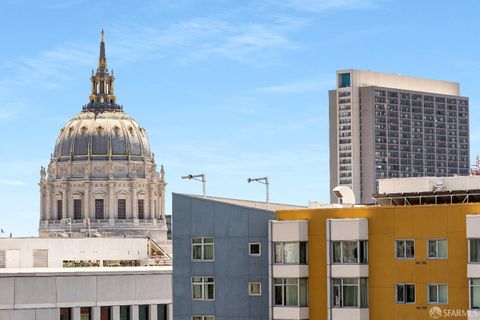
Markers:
point(107, 135)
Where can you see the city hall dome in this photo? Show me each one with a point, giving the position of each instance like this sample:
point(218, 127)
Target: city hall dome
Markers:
point(106, 135)
point(102, 179)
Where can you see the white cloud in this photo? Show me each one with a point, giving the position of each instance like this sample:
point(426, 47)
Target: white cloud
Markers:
point(12, 182)
point(309, 85)
point(324, 5)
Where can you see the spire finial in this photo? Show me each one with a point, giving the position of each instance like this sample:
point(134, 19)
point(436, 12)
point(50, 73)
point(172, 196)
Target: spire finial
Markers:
point(103, 39)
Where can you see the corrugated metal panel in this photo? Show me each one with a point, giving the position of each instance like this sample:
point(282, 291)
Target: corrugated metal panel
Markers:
point(2, 258)
point(40, 258)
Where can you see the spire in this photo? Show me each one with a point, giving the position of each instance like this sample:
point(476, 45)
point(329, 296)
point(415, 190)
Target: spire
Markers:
point(102, 96)
point(102, 58)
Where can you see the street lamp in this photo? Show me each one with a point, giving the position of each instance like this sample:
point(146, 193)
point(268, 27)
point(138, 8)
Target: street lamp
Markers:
point(264, 181)
point(201, 178)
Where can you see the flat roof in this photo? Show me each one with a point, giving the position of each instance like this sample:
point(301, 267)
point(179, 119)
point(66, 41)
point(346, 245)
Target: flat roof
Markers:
point(262, 205)
point(80, 271)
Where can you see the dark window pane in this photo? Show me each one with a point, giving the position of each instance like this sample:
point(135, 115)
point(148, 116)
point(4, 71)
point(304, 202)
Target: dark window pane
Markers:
point(65, 314)
point(303, 252)
point(124, 312)
point(410, 293)
point(99, 209)
point(278, 295)
point(141, 209)
point(77, 209)
point(59, 209)
point(143, 312)
point(85, 314)
point(122, 205)
point(105, 313)
point(161, 312)
point(400, 294)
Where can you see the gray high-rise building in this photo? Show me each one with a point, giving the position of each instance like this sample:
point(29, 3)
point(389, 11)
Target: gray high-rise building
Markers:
point(394, 126)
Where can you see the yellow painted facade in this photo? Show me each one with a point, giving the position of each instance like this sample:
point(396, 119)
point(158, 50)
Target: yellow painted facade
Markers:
point(385, 225)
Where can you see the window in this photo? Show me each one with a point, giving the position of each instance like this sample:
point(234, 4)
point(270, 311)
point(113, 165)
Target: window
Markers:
point(254, 288)
point(474, 252)
point(77, 209)
point(65, 313)
point(291, 292)
point(350, 251)
point(141, 209)
point(203, 288)
point(437, 249)
point(162, 312)
point(124, 312)
point(203, 318)
point(405, 249)
point(143, 310)
point(350, 292)
point(405, 293)
point(86, 313)
point(475, 293)
point(59, 210)
point(202, 249)
point(344, 80)
point(98, 208)
point(254, 249)
point(105, 313)
point(437, 293)
point(290, 252)
point(122, 208)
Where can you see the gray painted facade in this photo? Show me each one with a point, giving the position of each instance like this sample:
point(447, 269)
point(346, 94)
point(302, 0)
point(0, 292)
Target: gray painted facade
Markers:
point(233, 228)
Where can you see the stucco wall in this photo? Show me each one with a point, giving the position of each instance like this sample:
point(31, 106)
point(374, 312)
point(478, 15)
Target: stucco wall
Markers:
point(233, 227)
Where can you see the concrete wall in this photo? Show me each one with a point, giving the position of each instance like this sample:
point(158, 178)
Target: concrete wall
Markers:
point(362, 78)
point(75, 249)
point(233, 227)
point(39, 295)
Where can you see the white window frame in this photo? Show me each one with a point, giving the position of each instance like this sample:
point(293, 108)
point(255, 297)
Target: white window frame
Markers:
point(436, 243)
point(405, 246)
point(282, 244)
point(283, 286)
point(404, 285)
point(436, 285)
point(203, 284)
point(204, 317)
point(259, 249)
point(250, 293)
point(469, 252)
point(202, 245)
point(359, 242)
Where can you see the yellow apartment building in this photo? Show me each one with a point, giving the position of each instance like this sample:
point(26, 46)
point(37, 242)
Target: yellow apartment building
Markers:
point(395, 262)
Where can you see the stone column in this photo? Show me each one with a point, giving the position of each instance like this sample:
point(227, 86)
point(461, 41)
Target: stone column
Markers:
point(87, 201)
point(111, 204)
point(170, 311)
point(161, 214)
point(151, 207)
point(152, 309)
point(95, 313)
point(134, 312)
point(134, 205)
point(115, 313)
point(64, 200)
point(48, 200)
point(76, 313)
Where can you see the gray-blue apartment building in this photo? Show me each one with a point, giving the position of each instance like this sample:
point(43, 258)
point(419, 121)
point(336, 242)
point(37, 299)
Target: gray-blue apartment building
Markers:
point(220, 259)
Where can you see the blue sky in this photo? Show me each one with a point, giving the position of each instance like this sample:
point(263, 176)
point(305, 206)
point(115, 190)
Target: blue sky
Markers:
point(228, 88)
